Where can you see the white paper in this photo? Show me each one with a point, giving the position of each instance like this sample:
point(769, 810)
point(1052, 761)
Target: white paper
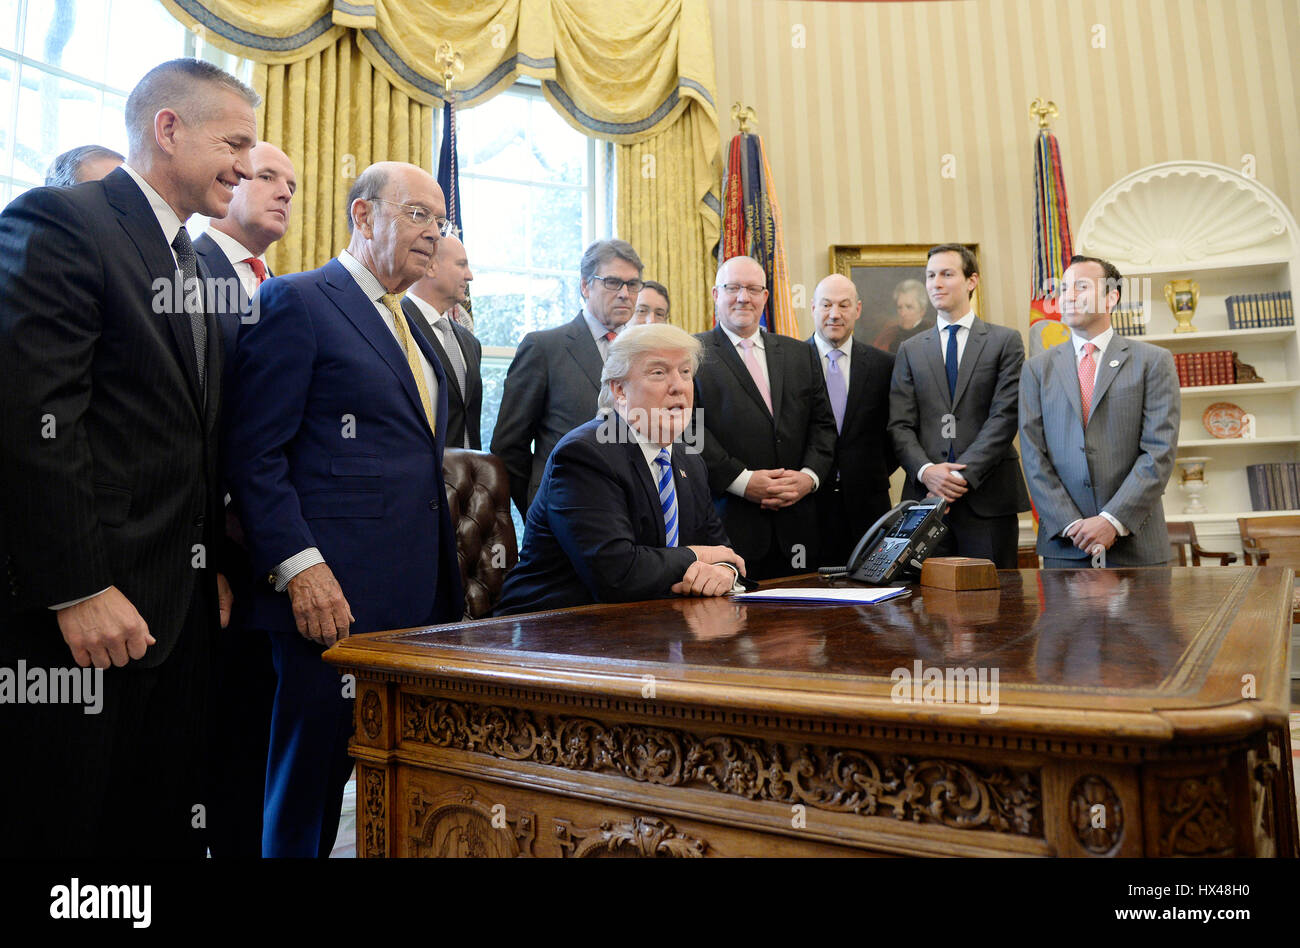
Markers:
point(866, 594)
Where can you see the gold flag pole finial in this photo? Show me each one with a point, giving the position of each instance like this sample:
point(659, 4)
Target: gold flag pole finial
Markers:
point(1044, 111)
point(745, 117)
point(452, 64)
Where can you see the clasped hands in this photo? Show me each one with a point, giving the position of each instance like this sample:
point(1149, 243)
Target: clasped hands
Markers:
point(777, 488)
point(705, 577)
point(1090, 532)
point(942, 480)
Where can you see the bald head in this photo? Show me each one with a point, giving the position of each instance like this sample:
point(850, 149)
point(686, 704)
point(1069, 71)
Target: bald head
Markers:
point(740, 295)
point(260, 207)
point(447, 280)
point(836, 308)
point(396, 211)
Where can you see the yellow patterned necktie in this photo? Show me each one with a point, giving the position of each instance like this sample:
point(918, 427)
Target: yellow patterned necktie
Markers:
point(412, 351)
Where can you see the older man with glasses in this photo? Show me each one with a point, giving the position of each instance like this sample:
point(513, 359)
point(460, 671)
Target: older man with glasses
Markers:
point(552, 384)
point(337, 421)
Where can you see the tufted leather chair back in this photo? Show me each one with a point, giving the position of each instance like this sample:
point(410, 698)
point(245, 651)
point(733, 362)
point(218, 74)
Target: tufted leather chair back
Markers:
point(478, 499)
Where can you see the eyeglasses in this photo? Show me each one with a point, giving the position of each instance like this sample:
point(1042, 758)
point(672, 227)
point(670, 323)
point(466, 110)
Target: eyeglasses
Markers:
point(734, 288)
point(614, 284)
point(420, 216)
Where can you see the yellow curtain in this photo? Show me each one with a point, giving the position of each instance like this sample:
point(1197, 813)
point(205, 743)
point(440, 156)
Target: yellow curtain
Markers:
point(350, 79)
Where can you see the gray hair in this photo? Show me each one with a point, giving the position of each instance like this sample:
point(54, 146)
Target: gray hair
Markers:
point(638, 341)
point(177, 84)
point(914, 287)
point(605, 250)
point(369, 185)
point(64, 169)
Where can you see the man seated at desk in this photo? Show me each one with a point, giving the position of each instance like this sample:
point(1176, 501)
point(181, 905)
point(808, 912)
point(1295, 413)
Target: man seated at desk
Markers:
point(623, 512)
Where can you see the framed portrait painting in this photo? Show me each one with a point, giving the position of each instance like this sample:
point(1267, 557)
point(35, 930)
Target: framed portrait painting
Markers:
point(890, 279)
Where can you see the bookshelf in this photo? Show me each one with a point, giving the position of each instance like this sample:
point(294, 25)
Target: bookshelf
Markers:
point(1232, 235)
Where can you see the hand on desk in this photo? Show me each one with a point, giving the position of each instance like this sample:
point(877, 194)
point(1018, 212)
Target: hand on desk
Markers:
point(705, 579)
point(719, 554)
point(320, 610)
point(104, 630)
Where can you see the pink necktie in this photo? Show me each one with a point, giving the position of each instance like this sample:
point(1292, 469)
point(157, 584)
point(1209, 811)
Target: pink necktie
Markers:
point(751, 363)
point(1087, 375)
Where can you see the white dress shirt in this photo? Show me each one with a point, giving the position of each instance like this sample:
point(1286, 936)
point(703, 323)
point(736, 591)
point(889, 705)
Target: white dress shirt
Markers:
point(824, 348)
point(598, 332)
point(237, 253)
point(738, 486)
point(373, 289)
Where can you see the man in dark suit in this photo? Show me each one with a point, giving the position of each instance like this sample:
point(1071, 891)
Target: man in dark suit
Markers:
point(1099, 431)
point(552, 384)
point(857, 378)
point(334, 456)
point(109, 398)
point(768, 431)
point(431, 303)
point(952, 415)
point(233, 249)
point(624, 512)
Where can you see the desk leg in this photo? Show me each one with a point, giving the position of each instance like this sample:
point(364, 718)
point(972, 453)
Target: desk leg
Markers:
point(373, 742)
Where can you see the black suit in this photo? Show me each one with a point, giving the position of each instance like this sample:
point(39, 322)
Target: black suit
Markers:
point(245, 672)
point(123, 491)
point(464, 409)
point(551, 388)
point(978, 424)
point(596, 528)
point(740, 433)
point(857, 490)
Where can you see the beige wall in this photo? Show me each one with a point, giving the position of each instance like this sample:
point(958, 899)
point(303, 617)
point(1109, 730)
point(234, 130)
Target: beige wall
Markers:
point(856, 123)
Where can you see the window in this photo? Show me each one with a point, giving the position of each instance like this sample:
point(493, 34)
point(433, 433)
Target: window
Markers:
point(534, 193)
point(66, 68)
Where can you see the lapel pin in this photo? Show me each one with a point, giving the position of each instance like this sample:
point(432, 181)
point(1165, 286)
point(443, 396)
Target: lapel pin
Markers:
point(681, 473)
point(1114, 362)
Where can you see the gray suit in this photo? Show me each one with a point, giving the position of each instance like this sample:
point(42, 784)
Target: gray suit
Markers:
point(551, 388)
point(1120, 463)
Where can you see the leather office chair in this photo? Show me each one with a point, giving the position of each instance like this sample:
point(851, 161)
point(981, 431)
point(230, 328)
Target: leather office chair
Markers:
point(478, 499)
point(1182, 536)
point(1272, 541)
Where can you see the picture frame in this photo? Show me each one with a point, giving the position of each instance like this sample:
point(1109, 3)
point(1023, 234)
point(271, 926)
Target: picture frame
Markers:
point(879, 271)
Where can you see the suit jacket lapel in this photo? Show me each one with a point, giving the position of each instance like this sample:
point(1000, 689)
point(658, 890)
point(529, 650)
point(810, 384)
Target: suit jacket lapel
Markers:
point(137, 219)
point(857, 382)
point(431, 335)
point(1067, 372)
point(975, 340)
point(775, 371)
point(472, 379)
point(731, 358)
point(1117, 352)
point(933, 358)
point(360, 311)
point(582, 346)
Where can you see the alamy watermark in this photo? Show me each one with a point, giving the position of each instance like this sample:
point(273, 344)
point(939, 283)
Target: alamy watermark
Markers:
point(924, 684)
point(25, 685)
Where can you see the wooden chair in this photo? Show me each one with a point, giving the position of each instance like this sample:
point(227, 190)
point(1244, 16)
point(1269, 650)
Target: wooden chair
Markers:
point(1182, 536)
point(1272, 541)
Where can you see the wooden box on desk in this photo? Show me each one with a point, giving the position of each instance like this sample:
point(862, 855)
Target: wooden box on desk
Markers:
point(959, 572)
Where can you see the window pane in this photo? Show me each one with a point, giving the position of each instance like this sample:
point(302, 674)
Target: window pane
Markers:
point(71, 34)
point(494, 380)
point(495, 216)
point(561, 149)
point(140, 25)
point(7, 70)
point(54, 114)
point(556, 218)
point(9, 24)
point(507, 306)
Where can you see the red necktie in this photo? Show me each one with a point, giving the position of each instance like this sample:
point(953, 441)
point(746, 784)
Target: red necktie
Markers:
point(1087, 375)
point(611, 336)
point(259, 269)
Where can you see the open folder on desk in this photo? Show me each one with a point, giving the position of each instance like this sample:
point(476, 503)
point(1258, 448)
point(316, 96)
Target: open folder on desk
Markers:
point(826, 597)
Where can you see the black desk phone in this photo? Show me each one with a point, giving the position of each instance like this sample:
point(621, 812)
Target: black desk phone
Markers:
point(898, 542)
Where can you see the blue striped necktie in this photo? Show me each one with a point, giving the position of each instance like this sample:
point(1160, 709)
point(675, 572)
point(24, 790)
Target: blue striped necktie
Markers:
point(667, 495)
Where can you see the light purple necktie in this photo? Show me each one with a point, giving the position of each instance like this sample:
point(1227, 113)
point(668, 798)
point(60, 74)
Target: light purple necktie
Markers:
point(751, 363)
point(835, 387)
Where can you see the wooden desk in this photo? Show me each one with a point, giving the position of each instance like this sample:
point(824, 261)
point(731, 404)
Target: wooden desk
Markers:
point(703, 727)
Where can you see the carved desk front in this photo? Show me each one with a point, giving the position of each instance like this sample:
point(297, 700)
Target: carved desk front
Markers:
point(1067, 713)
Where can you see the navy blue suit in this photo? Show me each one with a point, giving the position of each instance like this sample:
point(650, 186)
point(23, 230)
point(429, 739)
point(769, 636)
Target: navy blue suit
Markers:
point(596, 529)
point(328, 447)
point(245, 672)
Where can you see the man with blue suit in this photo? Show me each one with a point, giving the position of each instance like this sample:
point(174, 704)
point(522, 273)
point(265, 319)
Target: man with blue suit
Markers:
point(233, 249)
point(1098, 431)
point(624, 512)
point(334, 458)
